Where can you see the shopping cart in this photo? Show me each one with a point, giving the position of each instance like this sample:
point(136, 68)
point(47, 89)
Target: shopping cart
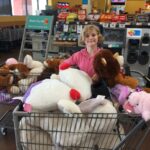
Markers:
point(56, 131)
point(7, 103)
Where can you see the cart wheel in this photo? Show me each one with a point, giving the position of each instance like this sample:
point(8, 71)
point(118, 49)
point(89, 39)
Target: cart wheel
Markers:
point(3, 131)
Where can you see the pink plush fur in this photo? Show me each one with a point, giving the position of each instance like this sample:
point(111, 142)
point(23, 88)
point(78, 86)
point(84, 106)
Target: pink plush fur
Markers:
point(141, 103)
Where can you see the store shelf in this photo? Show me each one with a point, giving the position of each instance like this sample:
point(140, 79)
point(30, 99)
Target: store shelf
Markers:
point(64, 43)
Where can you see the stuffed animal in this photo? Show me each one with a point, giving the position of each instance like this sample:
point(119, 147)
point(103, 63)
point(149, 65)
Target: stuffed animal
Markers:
point(119, 58)
point(101, 130)
point(71, 84)
point(139, 103)
point(120, 93)
point(39, 139)
point(36, 67)
point(51, 67)
point(44, 95)
point(6, 81)
point(35, 70)
point(76, 79)
point(17, 71)
point(53, 63)
point(108, 68)
point(68, 129)
point(11, 61)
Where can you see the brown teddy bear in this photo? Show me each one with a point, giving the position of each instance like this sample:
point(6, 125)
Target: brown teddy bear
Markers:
point(51, 66)
point(108, 68)
point(10, 74)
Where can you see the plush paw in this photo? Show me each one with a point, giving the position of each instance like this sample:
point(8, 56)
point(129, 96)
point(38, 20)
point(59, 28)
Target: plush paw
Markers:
point(11, 79)
point(54, 76)
point(27, 107)
point(64, 66)
point(14, 90)
point(67, 106)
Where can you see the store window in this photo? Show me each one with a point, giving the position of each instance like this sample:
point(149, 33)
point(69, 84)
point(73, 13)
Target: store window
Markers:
point(27, 7)
point(5, 7)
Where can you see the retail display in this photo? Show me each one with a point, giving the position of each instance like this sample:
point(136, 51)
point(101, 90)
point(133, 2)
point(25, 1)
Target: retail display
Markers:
point(136, 52)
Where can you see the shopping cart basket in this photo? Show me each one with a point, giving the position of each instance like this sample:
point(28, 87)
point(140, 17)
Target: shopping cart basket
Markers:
point(7, 103)
point(56, 131)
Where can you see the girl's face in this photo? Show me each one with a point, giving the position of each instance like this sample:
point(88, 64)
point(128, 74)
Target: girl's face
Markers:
point(91, 38)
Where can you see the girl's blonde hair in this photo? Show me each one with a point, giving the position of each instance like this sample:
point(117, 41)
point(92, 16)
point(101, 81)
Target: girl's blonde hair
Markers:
point(88, 29)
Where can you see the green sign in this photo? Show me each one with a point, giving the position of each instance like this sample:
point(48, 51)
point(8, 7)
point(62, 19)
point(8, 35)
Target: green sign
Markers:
point(39, 22)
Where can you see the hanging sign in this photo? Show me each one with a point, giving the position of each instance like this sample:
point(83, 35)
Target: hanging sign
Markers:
point(84, 1)
point(39, 22)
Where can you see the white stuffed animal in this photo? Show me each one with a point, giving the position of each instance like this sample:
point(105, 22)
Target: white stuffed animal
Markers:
point(29, 132)
point(80, 130)
point(76, 79)
point(44, 95)
point(66, 130)
point(104, 121)
point(95, 129)
point(36, 67)
point(73, 85)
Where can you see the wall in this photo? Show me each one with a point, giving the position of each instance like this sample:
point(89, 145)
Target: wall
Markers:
point(12, 20)
point(134, 5)
point(131, 5)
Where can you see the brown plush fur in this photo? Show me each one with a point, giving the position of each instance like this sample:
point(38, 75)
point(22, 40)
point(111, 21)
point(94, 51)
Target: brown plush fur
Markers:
point(4, 70)
point(108, 68)
point(22, 69)
point(54, 63)
point(9, 77)
point(52, 66)
point(5, 81)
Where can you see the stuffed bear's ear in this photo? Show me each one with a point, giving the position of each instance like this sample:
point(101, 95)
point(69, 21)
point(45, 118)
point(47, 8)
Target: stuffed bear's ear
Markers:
point(104, 62)
point(27, 60)
point(67, 106)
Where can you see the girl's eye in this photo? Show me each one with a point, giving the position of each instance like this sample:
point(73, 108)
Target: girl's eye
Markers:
point(93, 35)
point(87, 36)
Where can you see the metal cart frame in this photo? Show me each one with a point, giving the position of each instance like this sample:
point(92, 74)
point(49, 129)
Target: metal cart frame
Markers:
point(135, 131)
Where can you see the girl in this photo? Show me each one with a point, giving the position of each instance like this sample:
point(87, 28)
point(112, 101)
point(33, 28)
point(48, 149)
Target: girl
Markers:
point(83, 59)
